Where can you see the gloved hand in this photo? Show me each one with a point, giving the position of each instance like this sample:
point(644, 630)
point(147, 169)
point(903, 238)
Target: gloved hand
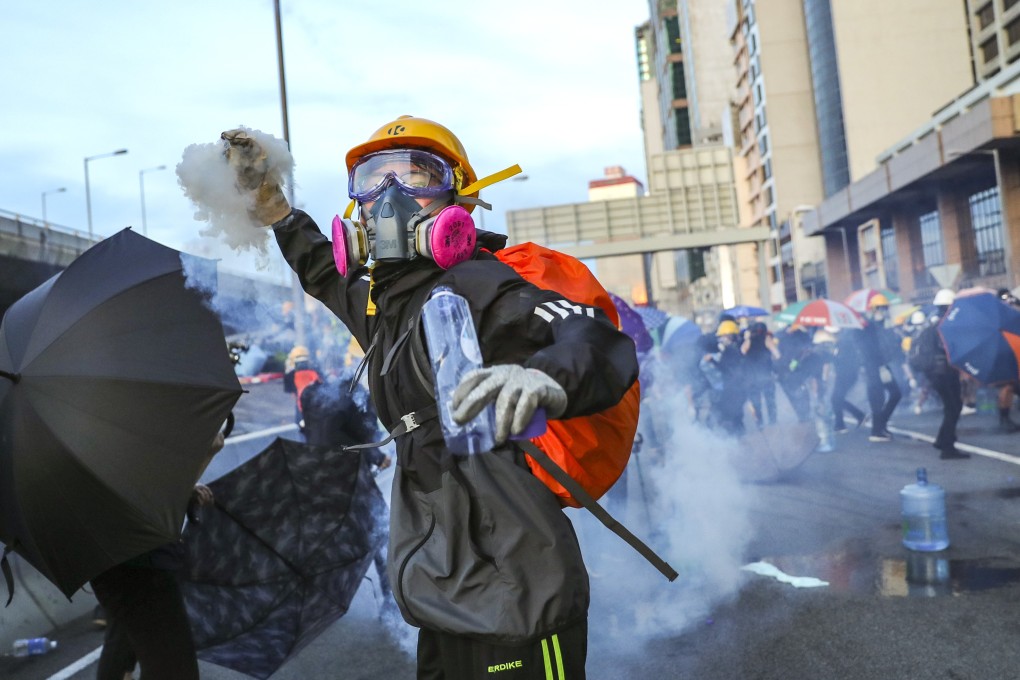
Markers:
point(250, 164)
point(517, 391)
point(885, 375)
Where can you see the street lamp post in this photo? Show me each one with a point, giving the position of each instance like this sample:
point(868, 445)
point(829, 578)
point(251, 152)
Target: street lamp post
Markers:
point(141, 191)
point(88, 197)
point(61, 190)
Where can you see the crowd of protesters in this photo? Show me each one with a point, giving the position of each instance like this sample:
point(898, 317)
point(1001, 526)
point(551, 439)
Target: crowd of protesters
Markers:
point(847, 377)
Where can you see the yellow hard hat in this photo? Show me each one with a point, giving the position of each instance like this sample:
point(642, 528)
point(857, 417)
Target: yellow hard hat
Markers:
point(300, 352)
point(878, 300)
point(418, 133)
point(728, 328)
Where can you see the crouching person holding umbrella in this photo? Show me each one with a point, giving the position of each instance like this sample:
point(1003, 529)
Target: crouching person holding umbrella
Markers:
point(147, 622)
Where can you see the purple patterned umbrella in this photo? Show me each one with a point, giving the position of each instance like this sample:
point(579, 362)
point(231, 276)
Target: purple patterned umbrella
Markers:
point(632, 324)
point(653, 318)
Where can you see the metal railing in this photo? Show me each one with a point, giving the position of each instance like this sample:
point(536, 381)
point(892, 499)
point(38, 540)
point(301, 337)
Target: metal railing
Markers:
point(32, 239)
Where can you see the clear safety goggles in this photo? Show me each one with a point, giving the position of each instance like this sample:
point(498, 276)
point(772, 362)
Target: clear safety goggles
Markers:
point(420, 174)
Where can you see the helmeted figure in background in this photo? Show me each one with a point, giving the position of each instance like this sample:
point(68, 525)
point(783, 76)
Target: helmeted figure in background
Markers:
point(299, 373)
point(931, 359)
point(481, 558)
point(724, 370)
point(879, 349)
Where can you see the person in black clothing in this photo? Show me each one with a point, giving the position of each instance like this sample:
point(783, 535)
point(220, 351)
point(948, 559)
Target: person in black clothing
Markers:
point(847, 367)
point(879, 348)
point(337, 412)
point(724, 369)
point(481, 557)
point(146, 619)
point(760, 351)
point(932, 360)
point(794, 346)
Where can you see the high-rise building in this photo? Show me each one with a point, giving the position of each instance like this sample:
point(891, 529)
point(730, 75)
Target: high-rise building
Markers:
point(823, 87)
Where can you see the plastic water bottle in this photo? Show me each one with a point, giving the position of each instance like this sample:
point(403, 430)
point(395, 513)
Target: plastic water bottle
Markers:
point(924, 515)
point(33, 646)
point(453, 351)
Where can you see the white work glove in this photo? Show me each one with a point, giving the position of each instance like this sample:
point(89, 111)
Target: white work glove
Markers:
point(885, 375)
point(250, 163)
point(517, 391)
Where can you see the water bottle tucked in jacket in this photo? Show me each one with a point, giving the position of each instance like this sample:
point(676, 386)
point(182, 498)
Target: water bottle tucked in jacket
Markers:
point(453, 351)
point(33, 646)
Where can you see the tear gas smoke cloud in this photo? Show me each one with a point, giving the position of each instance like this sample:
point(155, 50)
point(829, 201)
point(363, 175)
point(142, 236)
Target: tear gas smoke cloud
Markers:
point(687, 502)
point(209, 183)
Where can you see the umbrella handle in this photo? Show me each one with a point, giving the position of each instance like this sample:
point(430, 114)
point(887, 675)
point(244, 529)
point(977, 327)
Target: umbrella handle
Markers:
point(13, 377)
point(229, 427)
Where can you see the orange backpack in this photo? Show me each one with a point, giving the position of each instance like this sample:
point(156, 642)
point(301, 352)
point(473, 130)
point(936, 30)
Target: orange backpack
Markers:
point(592, 449)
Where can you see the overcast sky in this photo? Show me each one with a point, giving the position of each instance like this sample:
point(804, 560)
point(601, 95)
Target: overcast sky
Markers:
point(549, 84)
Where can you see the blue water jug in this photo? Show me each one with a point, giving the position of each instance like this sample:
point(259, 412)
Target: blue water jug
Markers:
point(453, 351)
point(924, 515)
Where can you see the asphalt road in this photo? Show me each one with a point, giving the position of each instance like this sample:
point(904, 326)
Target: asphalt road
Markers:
point(884, 612)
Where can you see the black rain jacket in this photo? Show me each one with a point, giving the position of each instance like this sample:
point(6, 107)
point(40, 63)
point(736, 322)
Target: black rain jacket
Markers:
point(478, 546)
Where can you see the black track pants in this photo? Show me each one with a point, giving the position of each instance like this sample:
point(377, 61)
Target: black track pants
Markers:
point(451, 657)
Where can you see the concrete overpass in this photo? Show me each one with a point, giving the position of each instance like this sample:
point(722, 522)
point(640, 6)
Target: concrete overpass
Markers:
point(31, 251)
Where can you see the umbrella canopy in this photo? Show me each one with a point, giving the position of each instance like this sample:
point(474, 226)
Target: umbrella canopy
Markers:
point(653, 318)
point(679, 332)
point(745, 310)
point(118, 378)
point(982, 337)
point(790, 312)
point(632, 324)
point(824, 312)
point(767, 454)
point(280, 554)
point(859, 299)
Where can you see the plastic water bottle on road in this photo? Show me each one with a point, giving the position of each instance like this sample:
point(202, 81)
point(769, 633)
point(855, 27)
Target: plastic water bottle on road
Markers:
point(33, 646)
point(453, 351)
point(924, 515)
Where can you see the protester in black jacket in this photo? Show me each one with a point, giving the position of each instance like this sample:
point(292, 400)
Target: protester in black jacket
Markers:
point(879, 348)
point(847, 365)
point(481, 556)
point(931, 359)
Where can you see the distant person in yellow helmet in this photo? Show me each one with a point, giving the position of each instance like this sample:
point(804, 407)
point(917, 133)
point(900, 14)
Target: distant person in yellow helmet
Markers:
point(879, 349)
point(482, 559)
point(724, 370)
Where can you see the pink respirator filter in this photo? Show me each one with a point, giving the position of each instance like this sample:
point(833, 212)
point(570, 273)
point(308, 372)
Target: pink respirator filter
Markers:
point(340, 256)
point(451, 236)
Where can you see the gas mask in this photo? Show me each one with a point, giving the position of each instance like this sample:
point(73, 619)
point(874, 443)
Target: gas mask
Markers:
point(397, 228)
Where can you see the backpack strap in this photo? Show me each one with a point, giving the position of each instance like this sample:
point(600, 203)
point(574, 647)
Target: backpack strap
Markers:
point(408, 421)
point(5, 566)
point(590, 504)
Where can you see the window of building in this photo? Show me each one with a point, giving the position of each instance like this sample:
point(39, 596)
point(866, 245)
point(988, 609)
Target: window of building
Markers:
point(679, 81)
point(683, 127)
point(673, 34)
point(767, 168)
point(985, 15)
point(986, 219)
point(931, 239)
point(1013, 32)
point(769, 200)
point(763, 145)
point(990, 50)
point(889, 258)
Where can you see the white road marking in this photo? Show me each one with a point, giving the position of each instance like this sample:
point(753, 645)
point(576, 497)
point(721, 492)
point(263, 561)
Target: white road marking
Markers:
point(969, 448)
point(78, 665)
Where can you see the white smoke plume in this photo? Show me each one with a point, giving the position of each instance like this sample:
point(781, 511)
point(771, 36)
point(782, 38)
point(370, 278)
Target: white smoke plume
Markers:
point(209, 183)
point(686, 500)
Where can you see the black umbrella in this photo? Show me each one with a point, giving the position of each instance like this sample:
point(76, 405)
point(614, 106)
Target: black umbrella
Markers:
point(280, 554)
point(115, 379)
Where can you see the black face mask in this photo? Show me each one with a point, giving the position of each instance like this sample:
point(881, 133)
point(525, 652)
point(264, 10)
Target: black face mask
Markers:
point(390, 232)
